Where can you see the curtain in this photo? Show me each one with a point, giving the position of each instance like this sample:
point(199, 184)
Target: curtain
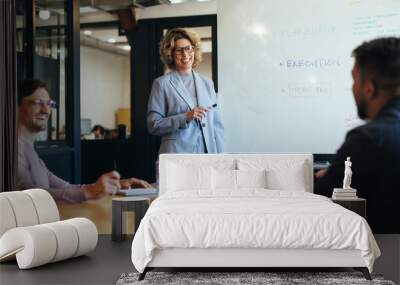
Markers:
point(8, 97)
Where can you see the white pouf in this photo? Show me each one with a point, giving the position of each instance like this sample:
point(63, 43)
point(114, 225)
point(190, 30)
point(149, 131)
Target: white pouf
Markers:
point(31, 232)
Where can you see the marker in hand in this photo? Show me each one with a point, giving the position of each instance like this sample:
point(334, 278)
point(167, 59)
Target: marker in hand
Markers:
point(198, 118)
point(208, 109)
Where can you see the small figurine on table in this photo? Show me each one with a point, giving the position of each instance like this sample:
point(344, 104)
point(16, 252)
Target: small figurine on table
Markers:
point(347, 192)
point(347, 174)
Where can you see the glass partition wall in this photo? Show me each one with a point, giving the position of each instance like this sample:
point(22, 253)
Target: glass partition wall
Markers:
point(41, 54)
point(48, 50)
point(49, 60)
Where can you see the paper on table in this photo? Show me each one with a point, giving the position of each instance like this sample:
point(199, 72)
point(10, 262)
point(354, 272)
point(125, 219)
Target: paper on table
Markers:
point(137, 191)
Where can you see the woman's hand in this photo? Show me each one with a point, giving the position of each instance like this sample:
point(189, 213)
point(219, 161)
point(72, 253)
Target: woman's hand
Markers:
point(197, 113)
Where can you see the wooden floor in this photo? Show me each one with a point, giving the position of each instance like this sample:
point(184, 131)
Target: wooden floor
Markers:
point(102, 266)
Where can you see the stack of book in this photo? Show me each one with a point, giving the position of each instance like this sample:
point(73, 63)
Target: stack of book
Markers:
point(344, 194)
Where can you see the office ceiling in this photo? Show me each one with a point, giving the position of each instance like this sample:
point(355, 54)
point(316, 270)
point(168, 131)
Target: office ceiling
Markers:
point(92, 11)
point(100, 10)
point(110, 5)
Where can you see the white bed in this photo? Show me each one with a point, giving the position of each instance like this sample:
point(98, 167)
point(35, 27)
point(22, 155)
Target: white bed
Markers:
point(241, 210)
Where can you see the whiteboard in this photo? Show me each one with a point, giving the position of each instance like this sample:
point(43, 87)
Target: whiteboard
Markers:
point(284, 70)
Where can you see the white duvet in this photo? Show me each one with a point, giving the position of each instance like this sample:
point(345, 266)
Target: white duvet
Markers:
point(250, 219)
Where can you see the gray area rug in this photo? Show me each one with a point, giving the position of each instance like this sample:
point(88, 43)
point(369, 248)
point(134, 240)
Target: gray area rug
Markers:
point(231, 278)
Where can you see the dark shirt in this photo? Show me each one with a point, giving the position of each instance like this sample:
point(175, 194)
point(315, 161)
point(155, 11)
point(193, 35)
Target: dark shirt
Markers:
point(374, 149)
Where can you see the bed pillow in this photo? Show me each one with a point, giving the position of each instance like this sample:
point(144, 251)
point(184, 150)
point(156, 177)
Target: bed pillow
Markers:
point(223, 179)
point(285, 174)
point(251, 178)
point(188, 177)
point(288, 176)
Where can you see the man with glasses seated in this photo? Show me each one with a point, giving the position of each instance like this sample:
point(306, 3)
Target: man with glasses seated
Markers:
point(34, 108)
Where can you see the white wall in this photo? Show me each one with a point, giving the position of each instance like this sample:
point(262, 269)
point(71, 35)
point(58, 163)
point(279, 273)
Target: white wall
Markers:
point(105, 85)
point(284, 107)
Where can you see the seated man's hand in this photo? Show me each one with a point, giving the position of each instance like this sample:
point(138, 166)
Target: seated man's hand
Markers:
point(320, 173)
point(108, 183)
point(134, 183)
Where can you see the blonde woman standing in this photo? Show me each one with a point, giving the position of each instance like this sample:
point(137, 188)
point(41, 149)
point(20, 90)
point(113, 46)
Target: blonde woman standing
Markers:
point(183, 107)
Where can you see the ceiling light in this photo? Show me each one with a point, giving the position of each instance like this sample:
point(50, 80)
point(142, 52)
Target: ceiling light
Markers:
point(44, 14)
point(111, 41)
point(87, 32)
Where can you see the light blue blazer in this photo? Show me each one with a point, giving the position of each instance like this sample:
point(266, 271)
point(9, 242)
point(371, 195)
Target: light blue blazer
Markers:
point(166, 115)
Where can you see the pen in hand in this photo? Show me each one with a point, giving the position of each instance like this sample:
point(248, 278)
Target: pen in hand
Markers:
point(208, 109)
point(115, 165)
point(191, 115)
point(125, 186)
